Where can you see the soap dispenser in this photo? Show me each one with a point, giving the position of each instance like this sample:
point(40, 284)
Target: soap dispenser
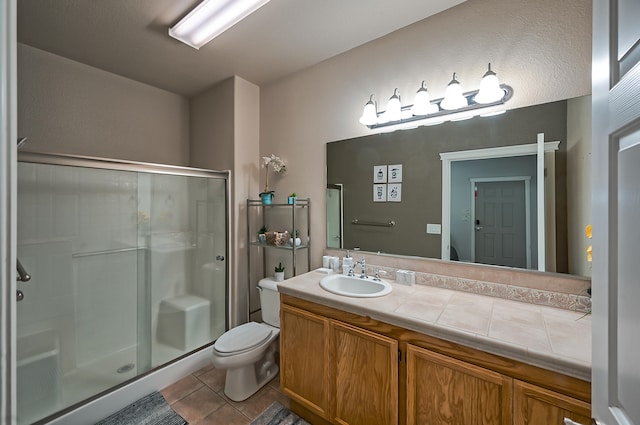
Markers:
point(347, 263)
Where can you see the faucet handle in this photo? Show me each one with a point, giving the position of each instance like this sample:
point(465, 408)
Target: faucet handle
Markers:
point(378, 273)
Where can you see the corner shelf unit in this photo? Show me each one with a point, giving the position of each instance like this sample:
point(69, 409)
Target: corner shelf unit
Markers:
point(293, 216)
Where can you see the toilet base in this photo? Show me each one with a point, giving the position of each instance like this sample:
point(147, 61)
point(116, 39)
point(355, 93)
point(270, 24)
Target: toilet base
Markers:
point(243, 382)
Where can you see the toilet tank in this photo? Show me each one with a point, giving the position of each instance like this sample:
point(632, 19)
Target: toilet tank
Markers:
point(269, 301)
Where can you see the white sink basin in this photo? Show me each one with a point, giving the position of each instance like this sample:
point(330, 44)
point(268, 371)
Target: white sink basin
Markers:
point(353, 286)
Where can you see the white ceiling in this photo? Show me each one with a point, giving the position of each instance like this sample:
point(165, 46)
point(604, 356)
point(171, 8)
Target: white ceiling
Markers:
point(129, 37)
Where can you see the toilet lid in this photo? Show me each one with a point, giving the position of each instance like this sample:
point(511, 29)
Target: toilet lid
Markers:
point(243, 337)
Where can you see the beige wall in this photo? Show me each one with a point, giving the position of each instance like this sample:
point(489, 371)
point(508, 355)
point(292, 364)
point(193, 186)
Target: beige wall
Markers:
point(67, 107)
point(212, 129)
point(541, 48)
point(579, 182)
point(225, 136)
point(245, 180)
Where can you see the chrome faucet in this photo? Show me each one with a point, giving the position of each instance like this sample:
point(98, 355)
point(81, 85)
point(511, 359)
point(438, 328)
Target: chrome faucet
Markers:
point(363, 271)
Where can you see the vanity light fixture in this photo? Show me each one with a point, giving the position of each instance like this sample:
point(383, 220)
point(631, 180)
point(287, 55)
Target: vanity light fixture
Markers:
point(394, 107)
point(453, 97)
point(370, 113)
point(490, 90)
point(455, 106)
point(211, 18)
point(422, 102)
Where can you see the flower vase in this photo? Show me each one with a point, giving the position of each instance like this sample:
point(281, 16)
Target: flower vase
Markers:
point(279, 276)
point(267, 198)
point(298, 241)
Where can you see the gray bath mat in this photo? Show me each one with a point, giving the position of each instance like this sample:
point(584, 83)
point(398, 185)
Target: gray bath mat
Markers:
point(277, 414)
point(150, 410)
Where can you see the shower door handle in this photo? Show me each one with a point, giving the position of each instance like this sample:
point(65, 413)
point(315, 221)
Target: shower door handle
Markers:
point(23, 276)
point(19, 295)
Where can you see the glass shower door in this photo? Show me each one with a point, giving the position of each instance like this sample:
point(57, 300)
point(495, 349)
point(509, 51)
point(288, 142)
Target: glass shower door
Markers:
point(76, 323)
point(128, 273)
point(184, 235)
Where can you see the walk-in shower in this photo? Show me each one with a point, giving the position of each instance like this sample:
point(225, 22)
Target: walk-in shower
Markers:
point(128, 272)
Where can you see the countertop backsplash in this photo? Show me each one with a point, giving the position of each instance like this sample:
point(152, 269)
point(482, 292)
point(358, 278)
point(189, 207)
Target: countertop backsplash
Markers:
point(531, 286)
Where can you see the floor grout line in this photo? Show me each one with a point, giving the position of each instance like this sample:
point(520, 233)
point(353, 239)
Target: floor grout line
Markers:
point(210, 379)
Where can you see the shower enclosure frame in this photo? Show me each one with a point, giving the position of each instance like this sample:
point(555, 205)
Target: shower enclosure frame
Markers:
point(119, 396)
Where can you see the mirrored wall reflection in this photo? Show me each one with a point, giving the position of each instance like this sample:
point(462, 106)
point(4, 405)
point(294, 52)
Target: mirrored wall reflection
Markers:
point(494, 210)
point(334, 216)
point(416, 210)
point(128, 272)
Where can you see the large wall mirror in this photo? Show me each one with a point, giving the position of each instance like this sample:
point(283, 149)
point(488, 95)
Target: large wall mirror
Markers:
point(385, 191)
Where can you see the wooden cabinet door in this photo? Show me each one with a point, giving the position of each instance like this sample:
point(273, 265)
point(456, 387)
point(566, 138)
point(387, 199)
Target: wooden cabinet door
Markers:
point(538, 406)
point(365, 376)
point(304, 358)
point(446, 391)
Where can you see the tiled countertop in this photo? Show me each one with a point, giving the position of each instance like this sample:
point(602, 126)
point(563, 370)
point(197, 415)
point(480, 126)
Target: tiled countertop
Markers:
point(551, 338)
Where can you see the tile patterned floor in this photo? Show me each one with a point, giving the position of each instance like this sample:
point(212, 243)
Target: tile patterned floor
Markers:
point(199, 399)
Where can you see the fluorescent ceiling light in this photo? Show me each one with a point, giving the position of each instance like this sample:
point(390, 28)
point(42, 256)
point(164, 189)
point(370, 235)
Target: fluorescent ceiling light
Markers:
point(211, 18)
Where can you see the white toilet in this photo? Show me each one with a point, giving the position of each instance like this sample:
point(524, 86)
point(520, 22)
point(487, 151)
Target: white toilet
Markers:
point(247, 351)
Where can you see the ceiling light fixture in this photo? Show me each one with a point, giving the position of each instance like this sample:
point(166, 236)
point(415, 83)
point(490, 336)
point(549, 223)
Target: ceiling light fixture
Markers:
point(430, 112)
point(211, 18)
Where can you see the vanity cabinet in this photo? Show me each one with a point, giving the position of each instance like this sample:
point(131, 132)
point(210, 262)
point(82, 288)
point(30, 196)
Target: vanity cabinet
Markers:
point(304, 358)
point(534, 405)
point(445, 391)
point(364, 374)
point(343, 368)
point(339, 372)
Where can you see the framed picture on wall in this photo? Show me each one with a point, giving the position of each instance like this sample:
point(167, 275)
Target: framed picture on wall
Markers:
point(379, 193)
point(379, 173)
point(394, 192)
point(394, 173)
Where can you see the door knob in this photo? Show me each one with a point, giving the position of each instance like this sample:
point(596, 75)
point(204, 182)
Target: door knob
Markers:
point(19, 296)
point(220, 257)
point(478, 227)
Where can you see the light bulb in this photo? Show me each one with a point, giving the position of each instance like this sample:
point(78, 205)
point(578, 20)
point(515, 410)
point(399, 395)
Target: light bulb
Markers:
point(369, 113)
point(453, 97)
point(393, 107)
point(422, 103)
point(490, 90)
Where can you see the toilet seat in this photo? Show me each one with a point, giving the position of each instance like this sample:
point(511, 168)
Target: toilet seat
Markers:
point(242, 338)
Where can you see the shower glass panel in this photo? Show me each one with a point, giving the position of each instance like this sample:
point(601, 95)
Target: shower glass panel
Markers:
point(128, 271)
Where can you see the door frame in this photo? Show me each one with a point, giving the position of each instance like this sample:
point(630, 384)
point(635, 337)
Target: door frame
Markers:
point(8, 208)
point(340, 188)
point(527, 211)
point(501, 152)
